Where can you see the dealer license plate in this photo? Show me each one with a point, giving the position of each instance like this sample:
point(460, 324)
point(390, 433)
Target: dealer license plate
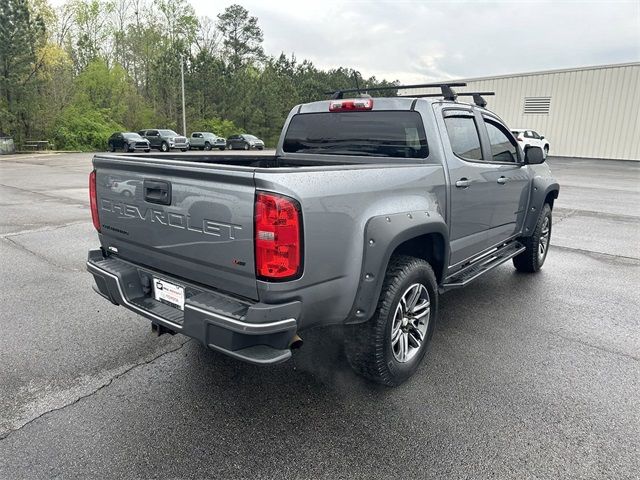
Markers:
point(169, 293)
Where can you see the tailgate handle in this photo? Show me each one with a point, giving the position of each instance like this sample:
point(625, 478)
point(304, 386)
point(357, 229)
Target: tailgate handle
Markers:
point(157, 191)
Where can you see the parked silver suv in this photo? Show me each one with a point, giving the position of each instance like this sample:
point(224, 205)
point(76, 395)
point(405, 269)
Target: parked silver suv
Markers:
point(207, 141)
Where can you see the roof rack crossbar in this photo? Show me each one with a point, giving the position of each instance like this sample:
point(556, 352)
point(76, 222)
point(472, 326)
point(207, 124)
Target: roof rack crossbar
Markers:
point(447, 91)
point(477, 96)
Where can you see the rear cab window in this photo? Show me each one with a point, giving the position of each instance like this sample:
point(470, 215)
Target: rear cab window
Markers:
point(383, 133)
point(463, 136)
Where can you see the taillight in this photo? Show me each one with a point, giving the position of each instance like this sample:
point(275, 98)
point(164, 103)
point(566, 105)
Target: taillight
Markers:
point(93, 199)
point(278, 237)
point(355, 105)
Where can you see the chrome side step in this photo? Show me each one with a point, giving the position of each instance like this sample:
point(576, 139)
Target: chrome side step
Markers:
point(481, 266)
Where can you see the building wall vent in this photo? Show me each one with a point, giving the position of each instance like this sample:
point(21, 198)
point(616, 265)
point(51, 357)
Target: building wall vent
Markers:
point(537, 105)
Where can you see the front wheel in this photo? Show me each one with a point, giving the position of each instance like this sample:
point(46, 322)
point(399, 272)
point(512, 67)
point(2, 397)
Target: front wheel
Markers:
point(207, 146)
point(246, 146)
point(222, 149)
point(546, 151)
point(183, 149)
point(112, 147)
point(537, 245)
point(164, 147)
point(389, 347)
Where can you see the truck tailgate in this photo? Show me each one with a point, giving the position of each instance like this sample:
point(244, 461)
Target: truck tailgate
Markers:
point(192, 220)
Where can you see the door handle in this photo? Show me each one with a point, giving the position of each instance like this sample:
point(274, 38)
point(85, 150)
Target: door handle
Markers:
point(463, 183)
point(503, 180)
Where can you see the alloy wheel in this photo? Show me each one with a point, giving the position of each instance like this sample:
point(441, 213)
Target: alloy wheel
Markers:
point(410, 322)
point(545, 235)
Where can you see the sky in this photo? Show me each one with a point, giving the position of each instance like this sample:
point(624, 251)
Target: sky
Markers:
point(420, 41)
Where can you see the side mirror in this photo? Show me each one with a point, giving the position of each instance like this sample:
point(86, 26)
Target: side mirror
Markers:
point(533, 156)
point(541, 137)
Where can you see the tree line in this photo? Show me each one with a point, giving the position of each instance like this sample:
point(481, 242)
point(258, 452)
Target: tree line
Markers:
point(75, 74)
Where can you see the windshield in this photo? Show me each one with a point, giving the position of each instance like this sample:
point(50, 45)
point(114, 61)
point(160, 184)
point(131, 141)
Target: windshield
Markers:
point(380, 134)
point(131, 136)
point(168, 133)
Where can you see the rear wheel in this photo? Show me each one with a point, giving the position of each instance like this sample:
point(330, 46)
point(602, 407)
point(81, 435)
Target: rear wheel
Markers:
point(389, 347)
point(537, 245)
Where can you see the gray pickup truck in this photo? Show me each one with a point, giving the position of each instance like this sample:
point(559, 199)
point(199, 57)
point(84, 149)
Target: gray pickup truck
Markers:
point(369, 210)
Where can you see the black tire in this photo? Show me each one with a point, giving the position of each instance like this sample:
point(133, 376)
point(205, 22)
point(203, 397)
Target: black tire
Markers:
point(368, 345)
point(112, 147)
point(207, 146)
point(546, 151)
point(222, 149)
point(125, 148)
point(183, 149)
point(164, 147)
point(531, 260)
point(246, 146)
point(230, 147)
point(260, 148)
point(127, 194)
point(147, 150)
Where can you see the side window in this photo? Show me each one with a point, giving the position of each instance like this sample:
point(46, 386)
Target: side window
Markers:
point(503, 148)
point(535, 135)
point(527, 134)
point(464, 138)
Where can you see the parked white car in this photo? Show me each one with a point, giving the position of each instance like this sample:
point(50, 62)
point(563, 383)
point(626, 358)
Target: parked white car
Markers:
point(530, 138)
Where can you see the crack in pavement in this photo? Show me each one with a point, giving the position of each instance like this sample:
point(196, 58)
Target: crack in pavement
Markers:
point(38, 255)
point(65, 200)
point(46, 228)
point(11, 431)
point(595, 254)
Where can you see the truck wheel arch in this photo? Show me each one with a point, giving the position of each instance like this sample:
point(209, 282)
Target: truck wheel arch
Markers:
point(540, 194)
point(421, 234)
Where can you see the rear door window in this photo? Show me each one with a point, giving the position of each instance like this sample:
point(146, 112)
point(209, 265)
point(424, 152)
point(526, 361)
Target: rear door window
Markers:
point(398, 134)
point(464, 138)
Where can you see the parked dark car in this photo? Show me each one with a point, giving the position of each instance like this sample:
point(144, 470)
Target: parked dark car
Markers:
point(128, 142)
point(165, 140)
point(244, 142)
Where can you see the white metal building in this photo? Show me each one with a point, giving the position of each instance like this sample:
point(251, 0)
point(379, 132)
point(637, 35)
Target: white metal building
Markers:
point(591, 112)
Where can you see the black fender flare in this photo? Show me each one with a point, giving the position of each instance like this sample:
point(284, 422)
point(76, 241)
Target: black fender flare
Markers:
point(539, 192)
point(383, 234)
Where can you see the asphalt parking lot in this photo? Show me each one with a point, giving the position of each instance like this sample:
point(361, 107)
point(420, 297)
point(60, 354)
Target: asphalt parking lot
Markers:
point(527, 376)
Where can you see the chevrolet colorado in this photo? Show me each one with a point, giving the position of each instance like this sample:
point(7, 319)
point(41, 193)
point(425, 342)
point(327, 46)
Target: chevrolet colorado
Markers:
point(369, 210)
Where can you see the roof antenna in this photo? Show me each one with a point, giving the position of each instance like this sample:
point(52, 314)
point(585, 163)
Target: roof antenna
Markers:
point(355, 77)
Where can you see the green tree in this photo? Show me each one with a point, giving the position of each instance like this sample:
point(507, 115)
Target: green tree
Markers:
point(241, 36)
point(22, 33)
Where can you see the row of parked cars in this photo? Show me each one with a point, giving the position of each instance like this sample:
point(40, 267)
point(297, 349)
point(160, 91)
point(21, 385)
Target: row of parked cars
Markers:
point(166, 140)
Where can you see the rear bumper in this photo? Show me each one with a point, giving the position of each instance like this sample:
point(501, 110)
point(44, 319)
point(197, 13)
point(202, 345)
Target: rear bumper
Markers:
point(253, 332)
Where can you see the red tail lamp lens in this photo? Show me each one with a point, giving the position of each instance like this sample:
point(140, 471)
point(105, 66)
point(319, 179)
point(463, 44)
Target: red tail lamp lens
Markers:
point(278, 237)
point(93, 199)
